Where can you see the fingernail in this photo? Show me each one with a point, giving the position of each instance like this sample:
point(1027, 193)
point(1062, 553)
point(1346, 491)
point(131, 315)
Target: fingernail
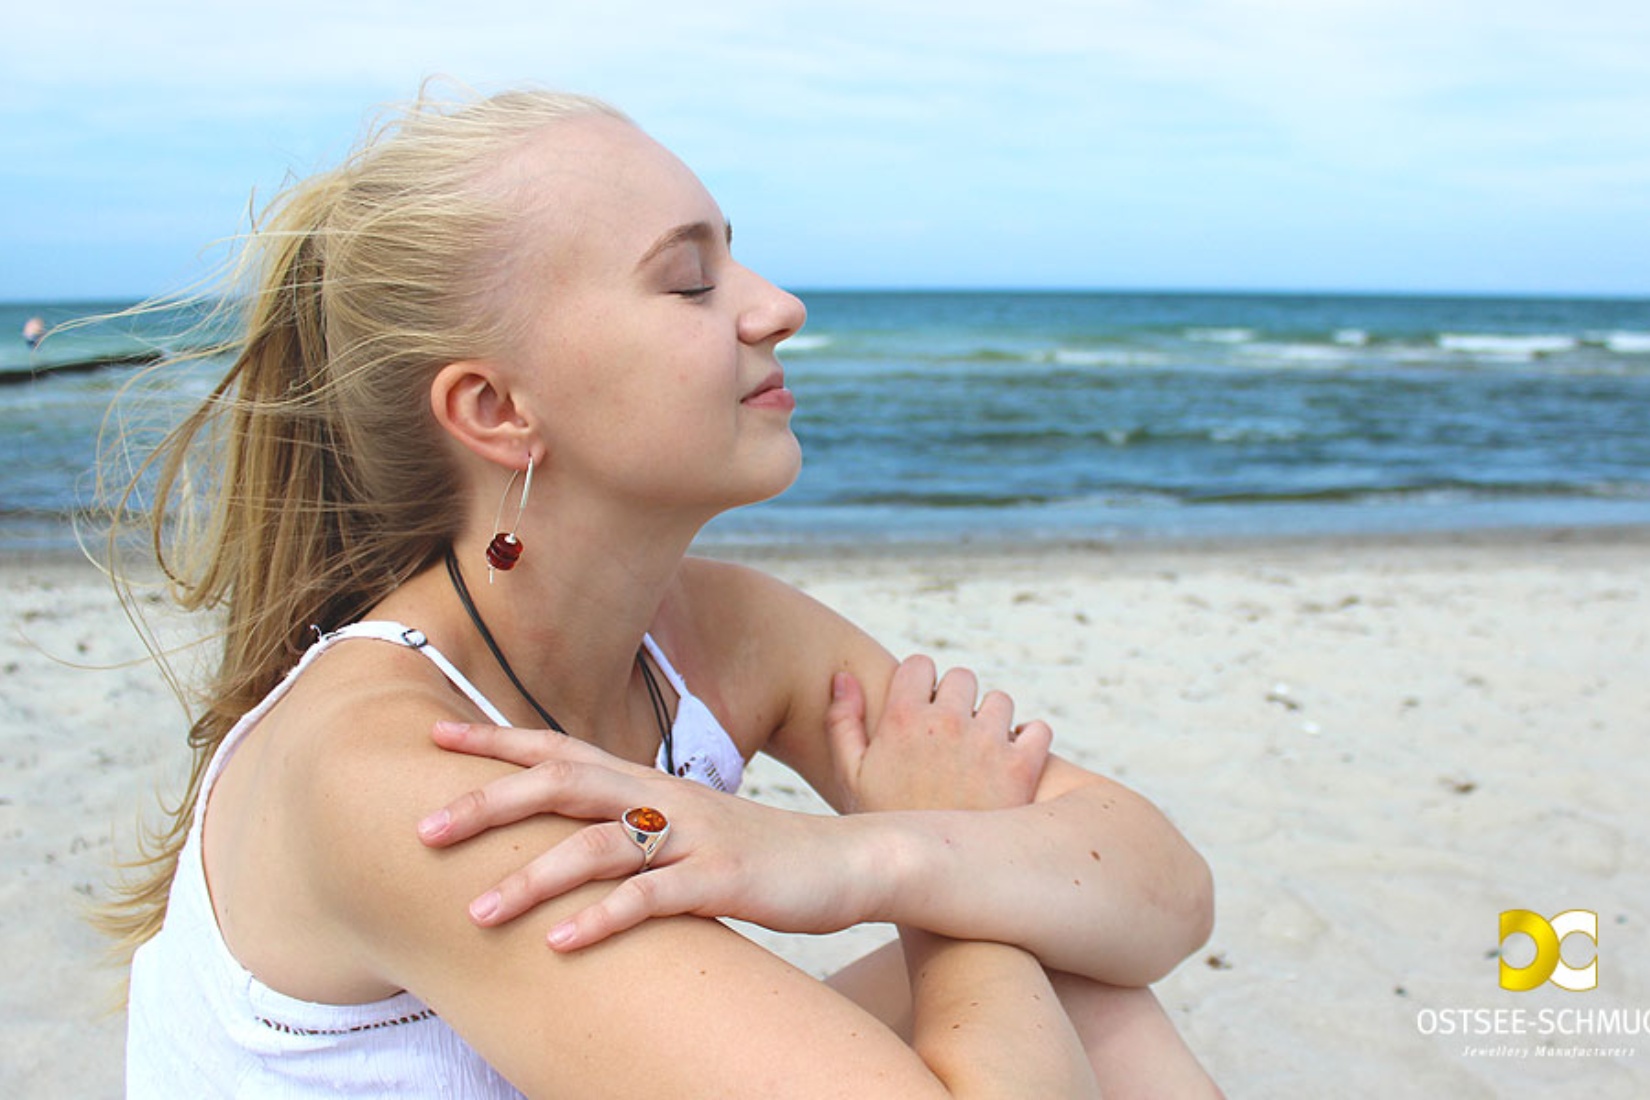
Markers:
point(434, 826)
point(485, 906)
point(838, 685)
point(447, 727)
point(561, 935)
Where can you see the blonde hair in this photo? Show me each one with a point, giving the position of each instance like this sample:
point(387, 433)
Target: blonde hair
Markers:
point(310, 483)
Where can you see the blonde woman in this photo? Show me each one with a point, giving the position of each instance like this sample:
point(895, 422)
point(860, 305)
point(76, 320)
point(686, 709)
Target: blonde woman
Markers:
point(499, 368)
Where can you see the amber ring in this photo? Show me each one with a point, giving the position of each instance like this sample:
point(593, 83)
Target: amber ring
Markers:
point(647, 829)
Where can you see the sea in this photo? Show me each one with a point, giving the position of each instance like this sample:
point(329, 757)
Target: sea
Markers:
point(991, 416)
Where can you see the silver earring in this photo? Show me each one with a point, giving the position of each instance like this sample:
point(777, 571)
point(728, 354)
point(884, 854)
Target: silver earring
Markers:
point(505, 549)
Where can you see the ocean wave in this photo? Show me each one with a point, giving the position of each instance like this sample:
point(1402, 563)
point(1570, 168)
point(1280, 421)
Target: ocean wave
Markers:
point(939, 499)
point(1303, 354)
point(1503, 346)
point(1233, 335)
point(1105, 357)
point(1044, 435)
point(1627, 343)
point(1442, 493)
point(1245, 348)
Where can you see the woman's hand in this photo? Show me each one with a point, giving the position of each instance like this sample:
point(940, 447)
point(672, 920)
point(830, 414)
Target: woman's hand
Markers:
point(725, 856)
point(933, 748)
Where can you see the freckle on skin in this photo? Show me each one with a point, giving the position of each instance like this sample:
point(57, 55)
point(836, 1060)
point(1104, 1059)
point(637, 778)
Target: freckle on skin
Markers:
point(1094, 855)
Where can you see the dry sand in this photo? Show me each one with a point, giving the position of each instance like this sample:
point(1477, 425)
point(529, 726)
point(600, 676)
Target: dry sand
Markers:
point(1379, 745)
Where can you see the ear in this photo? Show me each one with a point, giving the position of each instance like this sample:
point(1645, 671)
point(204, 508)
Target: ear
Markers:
point(472, 400)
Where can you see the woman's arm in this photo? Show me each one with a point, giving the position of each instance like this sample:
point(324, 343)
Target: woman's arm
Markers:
point(680, 1007)
point(1092, 878)
point(1089, 877)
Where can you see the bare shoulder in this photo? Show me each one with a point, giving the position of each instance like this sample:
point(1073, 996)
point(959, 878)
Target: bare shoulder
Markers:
point(751, 644)
point(731, 605)
point(711, 579)
point(296, 819)
point(554, 1024)
point(770, 651)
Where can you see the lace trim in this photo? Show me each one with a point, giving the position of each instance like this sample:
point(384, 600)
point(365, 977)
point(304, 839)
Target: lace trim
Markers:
point(276, 1025)
point(705, 765)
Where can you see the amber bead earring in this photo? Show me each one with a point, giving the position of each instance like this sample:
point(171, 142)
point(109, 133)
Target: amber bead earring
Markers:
point(505, 549)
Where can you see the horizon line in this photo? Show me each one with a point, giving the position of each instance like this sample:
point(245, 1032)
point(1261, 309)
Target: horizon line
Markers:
point(1029, 289)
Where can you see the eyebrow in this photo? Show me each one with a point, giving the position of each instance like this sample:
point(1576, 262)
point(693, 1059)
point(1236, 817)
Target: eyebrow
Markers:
point(698, 232)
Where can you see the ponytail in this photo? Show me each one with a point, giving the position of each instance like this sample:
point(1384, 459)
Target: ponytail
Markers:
point(306, 487)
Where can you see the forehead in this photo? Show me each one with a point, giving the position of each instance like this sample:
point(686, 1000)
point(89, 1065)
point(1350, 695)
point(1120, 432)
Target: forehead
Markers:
point(598, 190)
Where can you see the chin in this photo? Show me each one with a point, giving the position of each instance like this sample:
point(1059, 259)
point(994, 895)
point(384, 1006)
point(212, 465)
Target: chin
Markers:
point(779, 473)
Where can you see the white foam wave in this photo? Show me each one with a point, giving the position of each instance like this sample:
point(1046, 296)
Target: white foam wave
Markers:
point(1628, 343)
point(1221, 335)
point(1108, 357)
point(1300, 354)
point(1351, 337)
point(1496, 346)
point(807, 342)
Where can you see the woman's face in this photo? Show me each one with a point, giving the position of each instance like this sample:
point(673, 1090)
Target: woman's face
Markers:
point(649, 351)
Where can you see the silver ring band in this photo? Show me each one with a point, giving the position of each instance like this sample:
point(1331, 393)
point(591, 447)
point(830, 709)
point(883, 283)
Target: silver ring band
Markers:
point(647, 829)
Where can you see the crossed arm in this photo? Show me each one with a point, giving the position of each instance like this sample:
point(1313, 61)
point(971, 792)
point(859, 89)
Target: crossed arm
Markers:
point(1034, 865)
point(955, 823)
point(677, 1005)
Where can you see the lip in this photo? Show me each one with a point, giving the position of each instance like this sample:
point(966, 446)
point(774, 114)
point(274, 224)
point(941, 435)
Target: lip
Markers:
point(771, 394)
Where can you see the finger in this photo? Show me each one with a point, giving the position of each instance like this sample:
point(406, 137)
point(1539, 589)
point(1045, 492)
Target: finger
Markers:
point(845, 723)
point(658, 893)
point(589, 791)
point(1035, 736)
point(514, 746)
point(591, 854)
point(958, 689)
point(912, 683)
point(997, 711)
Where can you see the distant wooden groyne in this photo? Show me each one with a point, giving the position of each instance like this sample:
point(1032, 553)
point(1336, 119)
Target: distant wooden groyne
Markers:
point(13, 375)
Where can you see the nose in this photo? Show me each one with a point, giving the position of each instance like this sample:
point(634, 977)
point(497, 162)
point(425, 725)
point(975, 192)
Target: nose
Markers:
point(773, 314)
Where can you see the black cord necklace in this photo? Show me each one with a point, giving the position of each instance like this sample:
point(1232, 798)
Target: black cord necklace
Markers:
point(661, 712)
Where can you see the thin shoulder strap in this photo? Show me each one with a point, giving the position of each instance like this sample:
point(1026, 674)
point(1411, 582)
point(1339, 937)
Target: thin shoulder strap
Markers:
point(385, 631)
point(665, 666)
point(382, 631)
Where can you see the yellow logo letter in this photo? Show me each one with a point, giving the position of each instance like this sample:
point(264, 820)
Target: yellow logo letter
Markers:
point(1549, 960)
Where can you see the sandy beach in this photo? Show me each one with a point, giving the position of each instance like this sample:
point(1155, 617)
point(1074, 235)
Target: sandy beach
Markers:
point(1379, 745)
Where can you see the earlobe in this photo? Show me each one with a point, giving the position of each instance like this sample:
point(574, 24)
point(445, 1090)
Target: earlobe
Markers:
point(473, 403)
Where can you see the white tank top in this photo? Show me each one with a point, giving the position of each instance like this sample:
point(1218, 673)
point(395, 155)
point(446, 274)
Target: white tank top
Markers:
point(199, 1024)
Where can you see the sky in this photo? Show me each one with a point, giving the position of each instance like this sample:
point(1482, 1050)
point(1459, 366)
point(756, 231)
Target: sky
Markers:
point(1434, 146)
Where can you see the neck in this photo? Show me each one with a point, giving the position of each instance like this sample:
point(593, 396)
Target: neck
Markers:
point(569, 618)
